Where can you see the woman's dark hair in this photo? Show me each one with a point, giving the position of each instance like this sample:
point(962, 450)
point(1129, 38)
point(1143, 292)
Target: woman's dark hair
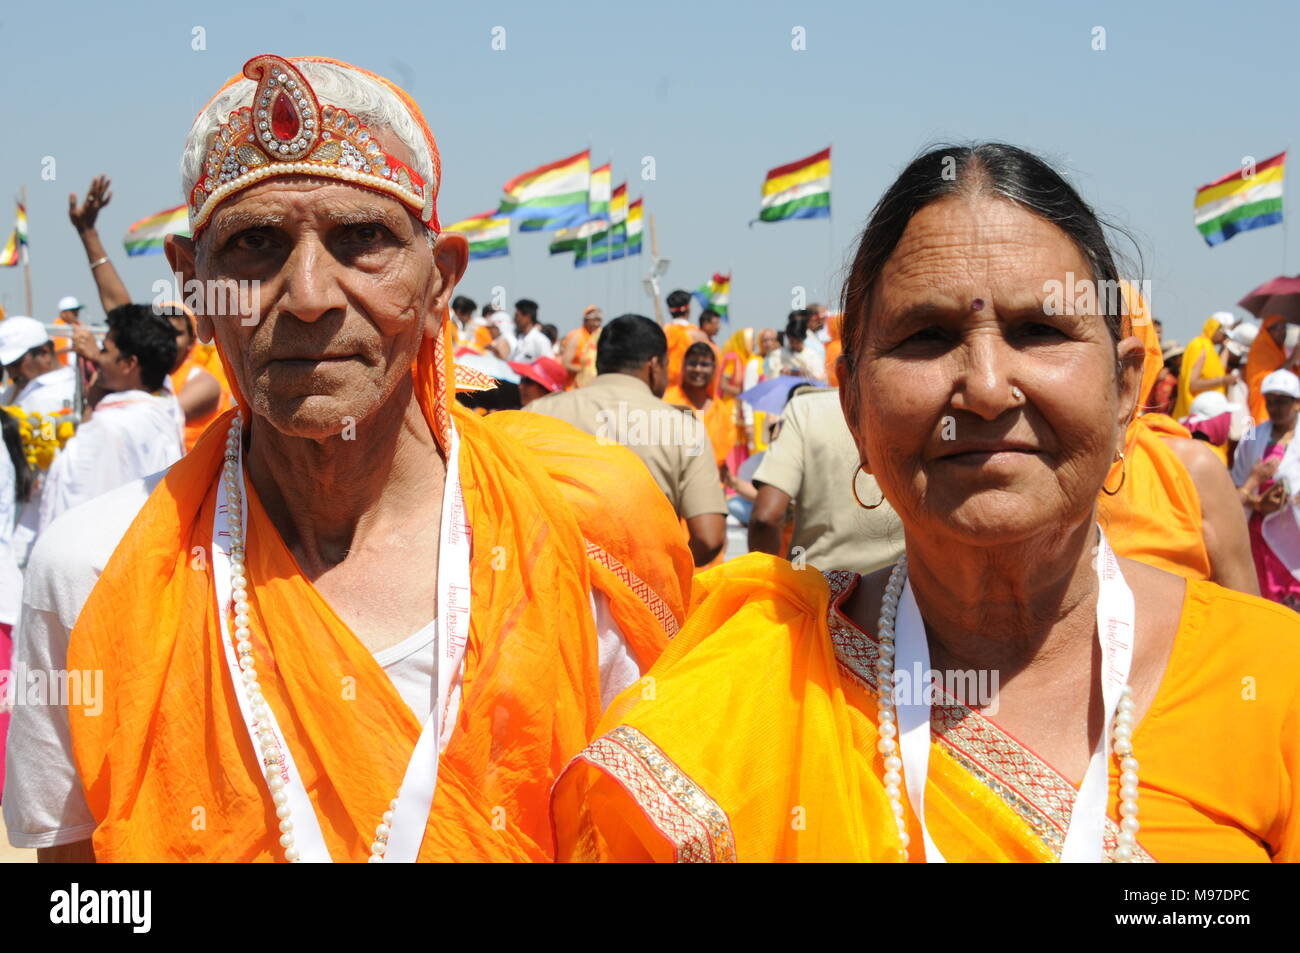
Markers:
point(796, 325)
point(990, 168)
point(463, 305)
point(699, 349)
point(23, 476)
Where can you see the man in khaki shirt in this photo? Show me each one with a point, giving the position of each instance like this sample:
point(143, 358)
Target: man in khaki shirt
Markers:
point(621, 405)
point(812, 462)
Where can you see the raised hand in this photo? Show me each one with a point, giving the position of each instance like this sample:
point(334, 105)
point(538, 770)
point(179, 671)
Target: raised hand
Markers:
point(99, 194)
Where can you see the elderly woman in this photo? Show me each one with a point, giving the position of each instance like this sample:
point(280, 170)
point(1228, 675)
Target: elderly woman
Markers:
point(1083, 707)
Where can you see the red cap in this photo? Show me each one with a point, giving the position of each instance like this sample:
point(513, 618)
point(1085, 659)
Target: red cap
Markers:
point(546, 371)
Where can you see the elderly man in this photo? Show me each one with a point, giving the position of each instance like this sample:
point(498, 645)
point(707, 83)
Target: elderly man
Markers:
point(356, 621)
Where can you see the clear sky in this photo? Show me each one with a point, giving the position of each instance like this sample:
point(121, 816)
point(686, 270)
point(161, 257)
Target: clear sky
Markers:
point(714, 92)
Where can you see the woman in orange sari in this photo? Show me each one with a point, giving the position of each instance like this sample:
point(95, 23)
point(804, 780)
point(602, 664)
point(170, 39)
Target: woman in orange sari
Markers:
point(1267, 353)
point(1010, 690)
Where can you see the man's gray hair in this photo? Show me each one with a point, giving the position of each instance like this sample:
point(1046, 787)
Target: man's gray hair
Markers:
point(373, 103)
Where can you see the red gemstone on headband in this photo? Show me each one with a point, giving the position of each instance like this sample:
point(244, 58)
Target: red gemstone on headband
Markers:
point(284, 119)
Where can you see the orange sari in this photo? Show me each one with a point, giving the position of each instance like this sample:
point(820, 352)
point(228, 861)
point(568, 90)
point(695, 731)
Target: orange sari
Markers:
point(795, 775)
point(203, 357)
point(169, 775)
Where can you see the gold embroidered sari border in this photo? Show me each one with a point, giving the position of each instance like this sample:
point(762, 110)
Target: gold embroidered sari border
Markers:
point(677, 806)
point(1031, 787)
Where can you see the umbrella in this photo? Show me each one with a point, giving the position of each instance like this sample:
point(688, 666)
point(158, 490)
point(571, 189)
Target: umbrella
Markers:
point(770, 396)
point(1257, 299)
point(491, 365)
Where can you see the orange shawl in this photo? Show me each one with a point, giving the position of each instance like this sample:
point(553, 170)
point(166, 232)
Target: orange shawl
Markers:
point(1263, 359)
point(1155, 517)
point(204, 358)
point(167, 770)
point(719, 420)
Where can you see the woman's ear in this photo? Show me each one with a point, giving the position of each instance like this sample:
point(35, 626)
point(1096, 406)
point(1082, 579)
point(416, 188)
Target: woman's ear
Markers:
point(1130, 353)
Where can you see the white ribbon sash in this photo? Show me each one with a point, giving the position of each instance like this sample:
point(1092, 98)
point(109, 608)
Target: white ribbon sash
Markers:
point(415, 797)
point(1115, 615)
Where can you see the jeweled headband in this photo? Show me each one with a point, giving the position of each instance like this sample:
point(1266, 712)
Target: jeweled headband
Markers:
point(287, 131)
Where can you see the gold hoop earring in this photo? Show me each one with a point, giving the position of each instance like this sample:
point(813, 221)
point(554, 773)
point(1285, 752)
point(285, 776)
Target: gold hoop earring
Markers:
point(857, 498)
point(1123, 475)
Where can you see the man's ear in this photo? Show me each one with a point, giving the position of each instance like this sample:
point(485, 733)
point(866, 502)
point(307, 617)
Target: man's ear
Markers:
point(181, 253)
point(450, 258)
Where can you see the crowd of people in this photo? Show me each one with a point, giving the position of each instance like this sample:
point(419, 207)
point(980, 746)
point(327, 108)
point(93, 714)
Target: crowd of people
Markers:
point(362, 587)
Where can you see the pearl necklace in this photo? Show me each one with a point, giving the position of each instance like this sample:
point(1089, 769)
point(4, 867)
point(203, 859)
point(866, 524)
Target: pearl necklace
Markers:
point(1122, 733)
point(271, 758)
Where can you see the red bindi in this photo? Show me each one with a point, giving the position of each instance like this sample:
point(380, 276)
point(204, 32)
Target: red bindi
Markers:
point(977, 304)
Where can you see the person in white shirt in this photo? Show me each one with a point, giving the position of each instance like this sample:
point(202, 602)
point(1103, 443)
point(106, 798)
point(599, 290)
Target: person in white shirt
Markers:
point(530, 341)
point(37, 383)
point(15, 485)
point(134, 429)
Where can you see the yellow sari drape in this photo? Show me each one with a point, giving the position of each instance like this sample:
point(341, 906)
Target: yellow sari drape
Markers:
point(795, 775)
point(1211, 366)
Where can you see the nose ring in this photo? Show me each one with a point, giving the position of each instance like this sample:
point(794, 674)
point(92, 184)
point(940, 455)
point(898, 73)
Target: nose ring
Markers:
point(1017, 393)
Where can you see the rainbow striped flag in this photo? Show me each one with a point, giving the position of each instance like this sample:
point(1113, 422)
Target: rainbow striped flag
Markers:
point(799, 189)
point(146, 236)
point(634, 224)
point(15, 249)
point(611, 242)
point(599, 197)
point(1237, 202)
point(575, 237)
point(488, 235)
point(551, 196)
point(715, 293)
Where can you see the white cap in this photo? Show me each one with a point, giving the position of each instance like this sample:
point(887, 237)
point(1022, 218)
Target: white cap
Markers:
point(18, 335)
point(70, 303)
point(1279, 382)
point(1226, 318)
point(1209, 403)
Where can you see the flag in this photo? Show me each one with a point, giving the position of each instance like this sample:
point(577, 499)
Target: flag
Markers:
point(146, 236)
point(1237, 202)
point(551, 196)
point(9, 254)
point(715, 293)
point(16, 247)
point(800, 189)
point(610, 242)
point(598, 196)
point(487, 233)
point(575, 236)
point(634, 223)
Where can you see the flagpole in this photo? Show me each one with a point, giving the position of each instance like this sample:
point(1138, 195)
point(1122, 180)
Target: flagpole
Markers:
point(654, 257)
point(27, 261)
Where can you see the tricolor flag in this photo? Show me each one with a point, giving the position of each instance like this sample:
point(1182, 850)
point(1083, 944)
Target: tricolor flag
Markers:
point(1237, 202)
point(575, 237)
point(146, 236)
point(487, 233)
point(11, 255)
point(551, 196)
point(800, 189)
point(715, 294)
